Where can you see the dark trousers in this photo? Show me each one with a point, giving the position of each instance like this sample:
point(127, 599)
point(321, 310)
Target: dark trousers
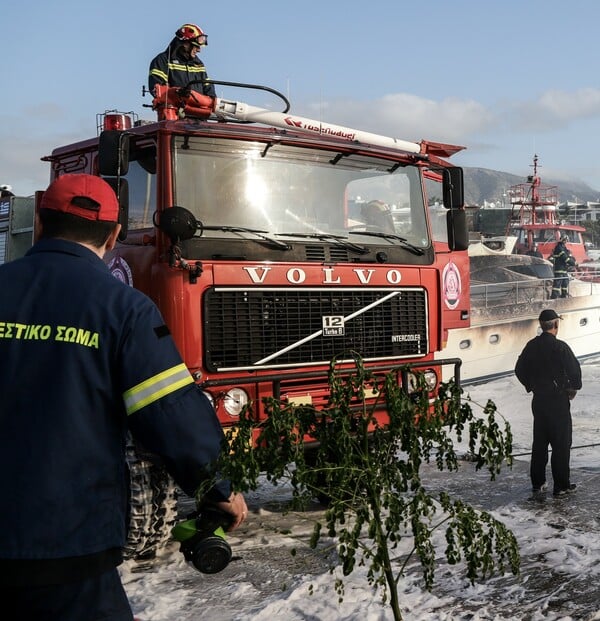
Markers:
point(551, 426)
point(560, 286)
point(101, 598)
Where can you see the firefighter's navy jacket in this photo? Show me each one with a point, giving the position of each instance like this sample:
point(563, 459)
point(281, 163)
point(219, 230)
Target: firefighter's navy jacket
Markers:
point(83, 357)
point(172, 69)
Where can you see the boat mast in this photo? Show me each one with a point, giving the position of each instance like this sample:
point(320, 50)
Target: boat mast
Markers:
point(532, 202)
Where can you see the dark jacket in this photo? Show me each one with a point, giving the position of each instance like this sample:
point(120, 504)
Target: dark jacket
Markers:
point(84, 357)
point(547, 365)
point(562, 258)
point(171, 68)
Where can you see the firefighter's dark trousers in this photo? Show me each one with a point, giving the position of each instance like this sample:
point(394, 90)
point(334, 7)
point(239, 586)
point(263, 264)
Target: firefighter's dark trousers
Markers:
point(560, 285)
point(552, 427)
point(100, 598)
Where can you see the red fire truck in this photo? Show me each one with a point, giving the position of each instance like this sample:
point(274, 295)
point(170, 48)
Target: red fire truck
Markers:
point(272, 243)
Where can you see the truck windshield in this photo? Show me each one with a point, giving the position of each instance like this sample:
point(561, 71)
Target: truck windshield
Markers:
point(294, 190)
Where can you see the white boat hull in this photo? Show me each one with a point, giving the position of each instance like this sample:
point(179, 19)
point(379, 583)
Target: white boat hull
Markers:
point(491, 346)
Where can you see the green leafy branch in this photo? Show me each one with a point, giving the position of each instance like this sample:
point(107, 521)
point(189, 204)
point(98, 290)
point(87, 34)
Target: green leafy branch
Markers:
point(368, 469)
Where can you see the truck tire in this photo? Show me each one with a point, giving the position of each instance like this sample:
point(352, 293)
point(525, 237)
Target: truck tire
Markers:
point(152, 506)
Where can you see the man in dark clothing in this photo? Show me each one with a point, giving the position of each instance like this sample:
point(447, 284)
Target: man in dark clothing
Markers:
point(178, 64)
point(548, 368)
point(562, 260)
point(85, 358)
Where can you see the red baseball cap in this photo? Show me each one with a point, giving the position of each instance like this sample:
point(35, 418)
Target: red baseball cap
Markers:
point(65, 189)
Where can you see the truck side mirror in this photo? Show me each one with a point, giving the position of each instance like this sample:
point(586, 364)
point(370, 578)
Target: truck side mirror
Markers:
point(454, 198)
point(458, 231)
point(121, 189)
point(113, 153)
point(178, 223)
point(453, 188)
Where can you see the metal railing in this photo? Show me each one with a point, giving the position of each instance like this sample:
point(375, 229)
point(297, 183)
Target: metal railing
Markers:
point(492, 295)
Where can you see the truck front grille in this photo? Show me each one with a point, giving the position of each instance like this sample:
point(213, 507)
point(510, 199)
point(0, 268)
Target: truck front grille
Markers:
point(268, 328)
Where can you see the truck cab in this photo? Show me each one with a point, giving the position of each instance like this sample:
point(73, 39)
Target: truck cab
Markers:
point(273, 244)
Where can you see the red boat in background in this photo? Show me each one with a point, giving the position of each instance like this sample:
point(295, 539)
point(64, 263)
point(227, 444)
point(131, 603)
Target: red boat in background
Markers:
point(534, 219)
point(509, 287)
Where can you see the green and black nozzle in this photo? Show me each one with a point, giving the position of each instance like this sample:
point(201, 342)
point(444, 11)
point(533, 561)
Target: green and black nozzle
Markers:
point(202, 539)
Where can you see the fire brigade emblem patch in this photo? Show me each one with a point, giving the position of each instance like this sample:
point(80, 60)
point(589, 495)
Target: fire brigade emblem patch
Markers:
point(120, 270)
point(451, 285)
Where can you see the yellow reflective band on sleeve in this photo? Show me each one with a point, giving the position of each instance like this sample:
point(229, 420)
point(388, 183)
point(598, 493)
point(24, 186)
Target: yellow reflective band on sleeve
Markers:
point(156, 387)
point(159, 74)
point(186, 68)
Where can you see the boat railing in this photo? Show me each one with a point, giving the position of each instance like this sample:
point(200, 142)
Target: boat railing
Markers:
point(530, 290)
point(589, 272)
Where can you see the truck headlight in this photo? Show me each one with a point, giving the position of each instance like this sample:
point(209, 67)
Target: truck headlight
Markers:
point(234, 401)
point(429, 376)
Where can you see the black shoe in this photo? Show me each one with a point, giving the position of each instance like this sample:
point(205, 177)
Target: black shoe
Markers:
point(563, 492)
point(539, 489)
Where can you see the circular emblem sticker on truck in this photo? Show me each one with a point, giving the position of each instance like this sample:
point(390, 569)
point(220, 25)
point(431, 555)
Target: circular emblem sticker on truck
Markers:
point(451, 285)
point(120, 270)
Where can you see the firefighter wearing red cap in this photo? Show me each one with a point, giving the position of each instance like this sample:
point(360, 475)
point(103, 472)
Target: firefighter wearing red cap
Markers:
point(179, 65)
point(85, 358)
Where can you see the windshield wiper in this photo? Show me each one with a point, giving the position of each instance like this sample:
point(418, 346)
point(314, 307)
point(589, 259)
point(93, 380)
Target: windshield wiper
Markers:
point(402, 240)
point(258, 232)
point(339, 240)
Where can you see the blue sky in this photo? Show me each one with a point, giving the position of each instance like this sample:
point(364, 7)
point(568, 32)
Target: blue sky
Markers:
point(505, 78)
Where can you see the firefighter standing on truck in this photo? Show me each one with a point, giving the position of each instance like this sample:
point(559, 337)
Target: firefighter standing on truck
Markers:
point(178, 64)
point(84, 359)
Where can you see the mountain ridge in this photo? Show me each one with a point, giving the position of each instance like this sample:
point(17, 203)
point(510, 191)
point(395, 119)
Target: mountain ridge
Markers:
point(484, 184)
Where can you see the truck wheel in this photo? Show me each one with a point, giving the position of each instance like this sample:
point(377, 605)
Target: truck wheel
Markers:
point(152, 506)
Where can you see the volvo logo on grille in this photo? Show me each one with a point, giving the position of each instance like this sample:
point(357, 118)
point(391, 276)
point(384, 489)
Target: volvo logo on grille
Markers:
point(333, 325)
